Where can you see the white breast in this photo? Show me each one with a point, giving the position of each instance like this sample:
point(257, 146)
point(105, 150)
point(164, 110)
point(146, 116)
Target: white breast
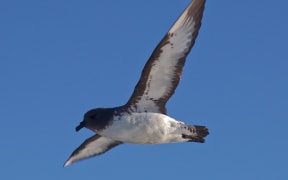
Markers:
point(144, 128)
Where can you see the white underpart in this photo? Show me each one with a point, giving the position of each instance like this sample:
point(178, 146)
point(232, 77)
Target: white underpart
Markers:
point(146, 128)
point(160, 80)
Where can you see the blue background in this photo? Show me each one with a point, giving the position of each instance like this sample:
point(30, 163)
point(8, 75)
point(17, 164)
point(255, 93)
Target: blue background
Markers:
point(59, 59)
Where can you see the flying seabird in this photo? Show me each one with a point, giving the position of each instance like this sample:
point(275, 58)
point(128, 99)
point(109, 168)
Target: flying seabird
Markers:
point(143, 119)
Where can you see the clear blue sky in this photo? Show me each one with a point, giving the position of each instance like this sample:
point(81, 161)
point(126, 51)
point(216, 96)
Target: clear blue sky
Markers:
point(59, 59)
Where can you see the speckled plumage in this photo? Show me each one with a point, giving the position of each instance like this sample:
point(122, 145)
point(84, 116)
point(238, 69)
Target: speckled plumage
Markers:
point(143, 119)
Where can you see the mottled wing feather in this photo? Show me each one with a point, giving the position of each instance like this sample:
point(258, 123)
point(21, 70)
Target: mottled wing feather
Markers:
point(92, 146)
point(162, 71)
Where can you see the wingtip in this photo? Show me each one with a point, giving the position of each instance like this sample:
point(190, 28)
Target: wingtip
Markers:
point(67, 163)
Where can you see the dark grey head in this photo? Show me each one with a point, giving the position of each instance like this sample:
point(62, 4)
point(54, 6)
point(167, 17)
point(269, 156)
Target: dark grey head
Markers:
point(96, 119)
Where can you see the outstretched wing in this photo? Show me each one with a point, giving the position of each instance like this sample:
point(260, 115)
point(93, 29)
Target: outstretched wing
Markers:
point(162, 71)
point(92, 146)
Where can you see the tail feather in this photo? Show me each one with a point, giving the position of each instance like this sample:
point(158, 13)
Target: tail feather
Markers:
point(201, 133)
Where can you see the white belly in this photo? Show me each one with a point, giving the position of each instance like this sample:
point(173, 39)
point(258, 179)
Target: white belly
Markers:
point(145, 128)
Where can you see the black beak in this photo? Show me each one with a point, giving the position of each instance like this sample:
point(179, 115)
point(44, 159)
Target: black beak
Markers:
point(80, 126)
